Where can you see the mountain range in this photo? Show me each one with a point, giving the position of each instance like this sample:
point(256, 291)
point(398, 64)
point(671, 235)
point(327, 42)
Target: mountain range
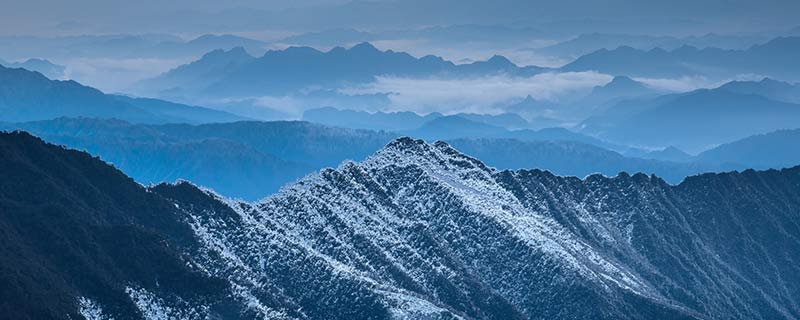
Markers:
point(28, 96)
point(587, 43)
point(773, 59)
point(251, 160)
point(280, 72)
point(416, 231)
point(694, 121)
point(47, 68)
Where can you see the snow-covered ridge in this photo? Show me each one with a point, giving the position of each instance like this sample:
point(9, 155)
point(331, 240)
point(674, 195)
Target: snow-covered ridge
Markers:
point(420, 230)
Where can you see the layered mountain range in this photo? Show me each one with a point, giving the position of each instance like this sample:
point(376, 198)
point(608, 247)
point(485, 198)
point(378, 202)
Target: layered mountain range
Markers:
point(416, 230)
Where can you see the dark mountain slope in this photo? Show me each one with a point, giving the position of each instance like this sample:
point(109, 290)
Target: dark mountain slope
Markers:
point(73, 227)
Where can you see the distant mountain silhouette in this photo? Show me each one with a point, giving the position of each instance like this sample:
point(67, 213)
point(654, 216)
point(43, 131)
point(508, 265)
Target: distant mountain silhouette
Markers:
point(243, 159)
point(281, 72)
point(774, 59)
point(772, 150)
point(29, 96)
point(620, 88)
point(43, 66)
point(769, 88)
point(588, 43)
point(666, 154)
point(388, 121)
point(402, 121)
point(693, 121)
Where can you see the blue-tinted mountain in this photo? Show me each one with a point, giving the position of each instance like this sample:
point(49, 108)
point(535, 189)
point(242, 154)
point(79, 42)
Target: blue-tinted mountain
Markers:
point(671, 154)
point(30, 96)
point(693, 121)
point(774, 59)
point(620, 87)
point(248, 160)
point(208, 69)
point(772, 150)
point(416, 230)
point(453, 127)
point(47, 68)
point(471, 34)
point(387, 121)
point(297, 68)
point(180, 112)
point(251, 160)
point(588, 43)
point(571, 158)
point(769, 88)
point(331, 38)
point(402, 121)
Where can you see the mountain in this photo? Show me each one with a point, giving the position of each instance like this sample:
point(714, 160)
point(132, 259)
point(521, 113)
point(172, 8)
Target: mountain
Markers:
point(388, 121)
point(46, 68)
point(282, 72)
point(180, 112)
point(672, 154)
point(587, 43)
point(248, 160)
point(208, 69)
point(772, 59)
point(620, 87)
point(402, 121)
point(452, 127)
point(415, 231)
point(30, 96)
point(772, 150)
point(571, 158)
point(78, 234)
point(769, 88)
point(693, 121)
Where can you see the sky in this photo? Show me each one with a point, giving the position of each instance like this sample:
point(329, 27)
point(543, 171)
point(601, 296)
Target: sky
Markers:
point(50, 17)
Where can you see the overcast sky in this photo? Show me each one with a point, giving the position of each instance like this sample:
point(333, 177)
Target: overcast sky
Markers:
point(204, 16)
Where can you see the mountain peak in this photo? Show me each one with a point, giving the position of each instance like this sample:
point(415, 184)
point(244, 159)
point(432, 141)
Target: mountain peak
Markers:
point(406, 151)
point(364, 47)
point(499, 60)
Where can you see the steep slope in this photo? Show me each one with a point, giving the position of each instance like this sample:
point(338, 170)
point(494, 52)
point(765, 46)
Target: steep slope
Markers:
point(77, 234)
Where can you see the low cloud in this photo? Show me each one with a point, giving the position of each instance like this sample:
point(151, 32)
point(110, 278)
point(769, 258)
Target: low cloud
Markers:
point(480, 95)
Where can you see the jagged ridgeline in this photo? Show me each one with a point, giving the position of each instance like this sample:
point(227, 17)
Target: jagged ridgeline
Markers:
point(416, 231)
